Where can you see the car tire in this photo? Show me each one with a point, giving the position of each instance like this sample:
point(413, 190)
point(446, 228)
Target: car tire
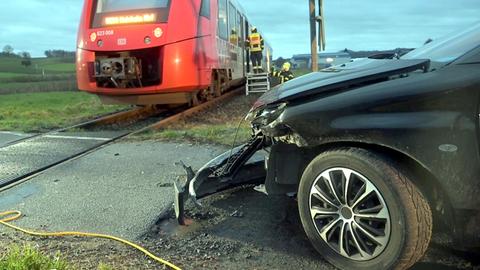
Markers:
point(390, 228)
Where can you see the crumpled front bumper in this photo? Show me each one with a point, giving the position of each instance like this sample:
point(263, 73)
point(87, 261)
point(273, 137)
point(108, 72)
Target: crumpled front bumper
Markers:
point(244, 165)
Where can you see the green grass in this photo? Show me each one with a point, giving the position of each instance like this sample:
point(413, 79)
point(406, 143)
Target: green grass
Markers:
point(28, 258)
point(50, 65)
point(103, 266)
point(25, 84)
point(60, 68)
point(218, 125)
point(37, 86)
point(20, 78)
point(45, 74)
point(7, 75)
point(223, 134)
point(33, 112)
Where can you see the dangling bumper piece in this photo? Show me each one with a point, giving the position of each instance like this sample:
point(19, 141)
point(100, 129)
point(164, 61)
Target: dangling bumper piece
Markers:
point(240, 166)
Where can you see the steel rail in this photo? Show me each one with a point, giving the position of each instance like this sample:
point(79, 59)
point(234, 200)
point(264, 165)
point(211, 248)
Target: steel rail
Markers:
point(155, 126)
point(111, 118)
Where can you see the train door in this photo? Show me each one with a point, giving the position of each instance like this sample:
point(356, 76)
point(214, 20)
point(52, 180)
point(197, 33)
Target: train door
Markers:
point(241, 42)
point(235, 51)
point(246, 49)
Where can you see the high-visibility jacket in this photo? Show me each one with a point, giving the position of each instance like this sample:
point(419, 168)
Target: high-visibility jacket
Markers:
point(284, 75)
point(256, 42)
point(234, 39)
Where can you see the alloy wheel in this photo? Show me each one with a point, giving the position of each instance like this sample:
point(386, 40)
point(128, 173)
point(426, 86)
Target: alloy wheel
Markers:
point(350, 214)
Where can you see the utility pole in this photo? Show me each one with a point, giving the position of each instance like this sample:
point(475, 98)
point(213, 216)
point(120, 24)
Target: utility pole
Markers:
point(314, 39)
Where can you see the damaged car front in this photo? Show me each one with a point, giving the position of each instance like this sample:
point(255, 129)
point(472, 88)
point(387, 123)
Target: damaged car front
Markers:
point(377, 150)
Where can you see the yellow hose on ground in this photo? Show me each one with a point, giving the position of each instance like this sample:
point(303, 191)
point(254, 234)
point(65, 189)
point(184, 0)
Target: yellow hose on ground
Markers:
point(6, 217)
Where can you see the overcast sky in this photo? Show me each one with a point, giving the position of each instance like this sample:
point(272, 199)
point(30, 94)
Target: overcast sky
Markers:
point(38, 25)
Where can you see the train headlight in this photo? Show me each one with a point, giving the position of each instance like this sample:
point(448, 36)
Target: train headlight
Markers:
point(93, 36)
point(147, 40)
point(158, 32)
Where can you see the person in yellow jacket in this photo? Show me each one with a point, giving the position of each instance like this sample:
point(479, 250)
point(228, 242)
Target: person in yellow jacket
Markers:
point(234, 37)
point(285, 74)
point(256, 45)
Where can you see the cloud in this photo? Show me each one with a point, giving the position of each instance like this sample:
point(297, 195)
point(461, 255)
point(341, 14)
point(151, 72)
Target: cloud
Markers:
point(39, 25)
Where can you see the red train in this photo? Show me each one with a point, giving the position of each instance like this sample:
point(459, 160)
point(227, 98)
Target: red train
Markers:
point(162, 51)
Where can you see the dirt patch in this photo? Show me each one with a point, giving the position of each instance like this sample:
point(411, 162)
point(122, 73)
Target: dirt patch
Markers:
point(243, 229)
point(239, 230)
point(232, 111)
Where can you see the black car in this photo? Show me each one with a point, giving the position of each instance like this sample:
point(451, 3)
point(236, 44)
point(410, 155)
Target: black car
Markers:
point(378, 151)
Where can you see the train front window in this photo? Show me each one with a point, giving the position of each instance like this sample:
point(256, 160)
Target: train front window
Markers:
point(104, 6)
point(121, 12)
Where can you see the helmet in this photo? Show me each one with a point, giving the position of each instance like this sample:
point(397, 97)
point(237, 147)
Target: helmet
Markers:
point(286, 66)
point(254, 29)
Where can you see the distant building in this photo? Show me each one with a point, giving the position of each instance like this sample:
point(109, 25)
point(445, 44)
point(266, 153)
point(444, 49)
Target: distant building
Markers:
point(324, 60)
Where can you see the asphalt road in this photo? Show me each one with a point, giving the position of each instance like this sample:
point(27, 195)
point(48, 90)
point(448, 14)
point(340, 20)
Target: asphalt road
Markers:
point(8, 137)
point(120, 189)
point(123, 189)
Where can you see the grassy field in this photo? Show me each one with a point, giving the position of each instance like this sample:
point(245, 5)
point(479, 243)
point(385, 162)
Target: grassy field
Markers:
point(33, 112)
point(38, 86)
point(44, 75)
point(50, 65)
point(43, 96)
point(7, 75)
point(18, 77)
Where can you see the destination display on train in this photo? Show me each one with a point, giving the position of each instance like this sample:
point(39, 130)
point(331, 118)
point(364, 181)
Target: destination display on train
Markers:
point(128, 19)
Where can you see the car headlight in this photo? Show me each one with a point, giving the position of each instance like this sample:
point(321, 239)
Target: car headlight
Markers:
point(266, 115)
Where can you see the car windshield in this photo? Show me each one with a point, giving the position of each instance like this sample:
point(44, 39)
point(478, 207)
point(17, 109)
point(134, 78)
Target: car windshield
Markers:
point(447, 49)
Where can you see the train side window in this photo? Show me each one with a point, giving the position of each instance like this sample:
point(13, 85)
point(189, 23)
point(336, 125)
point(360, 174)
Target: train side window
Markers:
point(222, 19)
point(232, 28)
point(241, 38)
point(205, 9)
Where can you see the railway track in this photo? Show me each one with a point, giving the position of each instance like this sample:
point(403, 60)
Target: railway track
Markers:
point(107, 119)
point(24, 159)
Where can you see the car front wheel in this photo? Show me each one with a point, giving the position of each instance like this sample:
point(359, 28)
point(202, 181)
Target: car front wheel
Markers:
point(361, 211)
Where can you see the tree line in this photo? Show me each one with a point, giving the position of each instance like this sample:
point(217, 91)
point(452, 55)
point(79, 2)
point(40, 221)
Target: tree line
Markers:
point(26, 58)
point(59, 54)
point(8, 50)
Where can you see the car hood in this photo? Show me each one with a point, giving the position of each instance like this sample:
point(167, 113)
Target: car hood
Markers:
point(355, 74)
